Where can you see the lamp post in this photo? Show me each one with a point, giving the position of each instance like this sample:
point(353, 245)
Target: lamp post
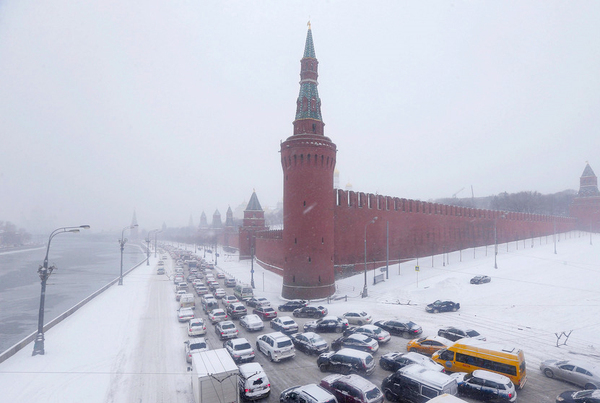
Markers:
point(554, 233)
point(365, 292)
point(148, 240)
point(122, 242)
point(44, 272)
point(496, 240)
point(155, 241)
point(252, 267)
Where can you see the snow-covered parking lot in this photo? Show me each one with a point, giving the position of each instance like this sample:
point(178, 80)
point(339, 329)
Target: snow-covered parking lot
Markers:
point(127, 345)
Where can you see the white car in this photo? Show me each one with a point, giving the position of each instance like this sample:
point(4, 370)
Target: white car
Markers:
point(219, 293)
point(217, 315)
point(254, 383)
point(196, 327)
point(277, 346)
point(285, 325)
point(252, 322)
point(185, 314)
point(240, 350)
point(193, 346)
point(358, 318)
point(229, 299)
point(226, 330)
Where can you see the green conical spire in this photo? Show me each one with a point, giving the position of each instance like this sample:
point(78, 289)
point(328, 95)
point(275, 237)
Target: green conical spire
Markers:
point(309, 48)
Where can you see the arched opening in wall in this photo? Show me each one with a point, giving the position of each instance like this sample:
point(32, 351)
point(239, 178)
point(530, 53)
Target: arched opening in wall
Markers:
point(295, 159)
point(309, 259)
point(308, 159)
point(304, 203)
point(301, 159)
point(322, 241)
point(314, 126)
point(295, 240)
point(319, 279)
point(322, 159)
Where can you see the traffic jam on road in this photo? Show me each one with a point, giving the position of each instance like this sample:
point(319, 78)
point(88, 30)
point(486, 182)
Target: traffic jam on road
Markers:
point(300, 353)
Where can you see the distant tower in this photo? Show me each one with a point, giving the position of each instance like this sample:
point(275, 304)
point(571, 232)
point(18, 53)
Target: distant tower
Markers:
point(254, 221)
point(308, 162)
point(586, 206)
point(203, 221)
point(216, 222)
point(229, 217)
point(134, 231)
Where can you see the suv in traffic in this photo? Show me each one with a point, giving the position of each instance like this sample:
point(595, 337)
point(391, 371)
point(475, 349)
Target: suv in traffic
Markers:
point(347, 361)
point(236, 310)
point(310, 393)
point(277, 346)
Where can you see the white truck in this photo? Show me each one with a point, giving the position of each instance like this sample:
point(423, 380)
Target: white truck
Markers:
point(215, 377)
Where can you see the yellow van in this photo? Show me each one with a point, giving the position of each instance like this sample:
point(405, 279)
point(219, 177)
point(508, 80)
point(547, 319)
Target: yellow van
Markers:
point(467, 355)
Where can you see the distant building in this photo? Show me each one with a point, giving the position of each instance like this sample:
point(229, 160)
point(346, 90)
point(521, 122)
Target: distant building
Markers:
point(586, 206)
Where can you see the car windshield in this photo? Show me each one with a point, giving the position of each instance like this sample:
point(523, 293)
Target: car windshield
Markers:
point(373, 393)
point(196, 346)
point(268, 309)
point(289, 322)
point(472, 333)
point(243, 346)
point(219, 313)
point(228, 326)
point(376, 330)
point(284, 343)
point(583, 393)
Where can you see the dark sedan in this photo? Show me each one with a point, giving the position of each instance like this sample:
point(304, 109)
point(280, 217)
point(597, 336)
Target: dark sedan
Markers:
point(327, 324)
point(310, 312)
point(442, 306)
point(456, 333)
point(583, 396)
point(309, 342)
point(265, 312)
point(481, 279)
point(291, 305)
point(356, 341)
point(400, 327)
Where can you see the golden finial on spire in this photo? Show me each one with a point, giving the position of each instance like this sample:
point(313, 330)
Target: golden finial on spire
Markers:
point(308, 23)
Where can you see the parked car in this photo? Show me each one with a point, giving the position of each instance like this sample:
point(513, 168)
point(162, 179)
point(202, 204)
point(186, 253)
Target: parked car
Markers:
point(352, 389)
point(400, 327)
point(265, 312)
point(310, 312)
point(374, 332)
point(219, 293)
point(185, 314)
point(579, 373)
point(226, 330)
point(285, 325)
point(310, 393)
point(236, 310)
point(253, 382)
point(240, 350)
point(196, 327)
point(220, 275)
point(230, 282)
point(326, 324)
point(179, 293)
point(193, 346)
point(357, 341)
point(309, 342)
point(258, 301)
point(217, 315)
point(396, 360)
point(202, 290)
point(251, 322)
point(291, 305)
point(442, 306)
point(486, 385)
point(358, 318)
point(277, 346)
point(481, 279)
point(428, 345)
point(455, 333)
point(346, 361)
point(582, 396)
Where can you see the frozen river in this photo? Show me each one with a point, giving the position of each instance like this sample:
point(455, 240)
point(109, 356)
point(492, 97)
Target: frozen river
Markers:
point(85, 263)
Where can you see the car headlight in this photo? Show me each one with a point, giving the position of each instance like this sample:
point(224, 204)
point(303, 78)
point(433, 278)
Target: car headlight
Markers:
point(560, 399)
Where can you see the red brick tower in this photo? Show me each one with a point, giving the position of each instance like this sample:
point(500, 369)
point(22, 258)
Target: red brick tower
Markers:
point(254, 221)
point(308, 162)
point(586, 206)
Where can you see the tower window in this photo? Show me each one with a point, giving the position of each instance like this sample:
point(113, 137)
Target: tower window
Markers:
point(322, 240)
point(314, 127)
point(304, 203)
point(309, 259)
point(295, 240)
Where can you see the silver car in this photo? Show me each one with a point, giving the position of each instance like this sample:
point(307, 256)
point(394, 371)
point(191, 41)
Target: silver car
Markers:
point(251, 322)
point(578, 372)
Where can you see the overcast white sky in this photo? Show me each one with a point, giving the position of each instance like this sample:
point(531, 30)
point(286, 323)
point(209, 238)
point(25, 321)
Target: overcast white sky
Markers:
point(172, 108)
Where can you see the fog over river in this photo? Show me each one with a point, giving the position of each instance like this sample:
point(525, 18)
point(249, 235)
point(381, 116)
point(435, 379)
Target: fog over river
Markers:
point(85, 263)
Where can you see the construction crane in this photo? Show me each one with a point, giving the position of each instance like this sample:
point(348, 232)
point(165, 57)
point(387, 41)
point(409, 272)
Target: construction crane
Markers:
point(454, 195)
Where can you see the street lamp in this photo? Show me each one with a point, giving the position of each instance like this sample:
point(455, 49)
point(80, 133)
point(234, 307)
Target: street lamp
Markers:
point(148, 248)
point(365, 293)
point(122, 242)
point(44, 272)
point(496, 240)
point(155, 241)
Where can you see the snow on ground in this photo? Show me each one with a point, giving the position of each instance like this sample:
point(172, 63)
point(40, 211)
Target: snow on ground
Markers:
point(98, 354)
